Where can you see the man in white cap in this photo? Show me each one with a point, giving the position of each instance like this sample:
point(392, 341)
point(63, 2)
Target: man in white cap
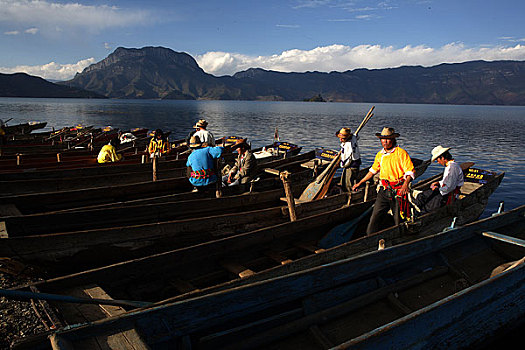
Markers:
point(441, 192)
point(396, 171)
point(204, 135)
point(350, 158)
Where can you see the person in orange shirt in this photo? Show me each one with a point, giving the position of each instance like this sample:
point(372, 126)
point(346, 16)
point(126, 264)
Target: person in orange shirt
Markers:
point(396, 171)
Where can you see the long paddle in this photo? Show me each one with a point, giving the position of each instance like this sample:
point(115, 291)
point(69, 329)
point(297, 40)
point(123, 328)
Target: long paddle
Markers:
point(318, 188)
point(23, 295)
point(343, 232)
point(365, 120)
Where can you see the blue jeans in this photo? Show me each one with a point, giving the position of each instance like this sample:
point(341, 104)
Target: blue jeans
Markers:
point(225, 181)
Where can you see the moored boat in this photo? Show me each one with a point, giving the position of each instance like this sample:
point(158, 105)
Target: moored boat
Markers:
point(258, 255)
point(453, 289)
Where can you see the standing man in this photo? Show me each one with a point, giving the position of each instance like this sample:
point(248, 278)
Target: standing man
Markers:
point(201, 165)
point(204, 135)
point(441, 191)
point(350, 158)
point(396, 171)
point(245, 165)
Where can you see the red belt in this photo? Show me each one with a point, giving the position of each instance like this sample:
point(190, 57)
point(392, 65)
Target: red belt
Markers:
point(394, 184)
point(202, 174)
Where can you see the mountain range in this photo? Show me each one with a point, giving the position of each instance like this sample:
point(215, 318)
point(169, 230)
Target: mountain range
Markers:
point(24, 85)
point(161, 73)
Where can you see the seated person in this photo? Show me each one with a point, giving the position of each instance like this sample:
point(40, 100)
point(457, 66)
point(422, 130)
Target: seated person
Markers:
point(245, 165)
point(203, 134)
point(158, 145)
point(440, 191)
point(201, 164)
point(108, 153)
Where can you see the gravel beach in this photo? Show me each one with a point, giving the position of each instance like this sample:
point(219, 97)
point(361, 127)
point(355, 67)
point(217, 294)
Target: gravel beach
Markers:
point(17, 318)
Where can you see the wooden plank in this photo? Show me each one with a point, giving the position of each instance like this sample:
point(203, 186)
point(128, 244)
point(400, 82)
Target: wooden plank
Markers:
point(9, 210)
point(237, 269)
point(3, 230)
point(504, 238)
point(126, 339)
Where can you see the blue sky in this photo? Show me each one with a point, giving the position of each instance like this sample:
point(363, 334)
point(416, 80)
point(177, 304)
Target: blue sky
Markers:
point(55, 39)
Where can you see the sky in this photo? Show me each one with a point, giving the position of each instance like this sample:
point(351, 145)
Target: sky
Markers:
point(56, 39)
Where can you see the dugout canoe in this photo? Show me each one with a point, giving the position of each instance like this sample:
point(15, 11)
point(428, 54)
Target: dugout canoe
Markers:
point(69, 180)
point(266, 253)
point(52, 201)
point(450, 290)
point(24, 128)
point(102, 242)
point(149, 210)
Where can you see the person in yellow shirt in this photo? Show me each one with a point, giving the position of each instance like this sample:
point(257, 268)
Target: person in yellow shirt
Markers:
point(108, 153)
point(158, 145)
point(396, 171)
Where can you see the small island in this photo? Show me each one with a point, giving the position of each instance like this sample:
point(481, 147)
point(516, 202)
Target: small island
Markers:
point(317, 98)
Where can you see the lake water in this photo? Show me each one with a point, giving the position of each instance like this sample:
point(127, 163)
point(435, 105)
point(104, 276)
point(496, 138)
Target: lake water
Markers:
point(490, 136)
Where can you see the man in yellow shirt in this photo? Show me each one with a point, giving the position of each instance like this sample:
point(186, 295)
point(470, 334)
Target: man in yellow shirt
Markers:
point(396, 171)
point(108, 153)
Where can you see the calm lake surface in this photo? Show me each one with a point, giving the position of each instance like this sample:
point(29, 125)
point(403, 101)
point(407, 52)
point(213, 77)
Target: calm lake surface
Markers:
point(490, 136)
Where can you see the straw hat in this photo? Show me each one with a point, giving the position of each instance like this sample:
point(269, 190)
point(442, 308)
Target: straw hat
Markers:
point(344, 132)
point(241, 143)
point(195, 142)
point(438, 151)
point(202, 123)
point(387, 133)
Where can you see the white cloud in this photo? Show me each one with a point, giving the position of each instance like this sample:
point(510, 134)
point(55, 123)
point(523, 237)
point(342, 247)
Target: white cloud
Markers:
point(288, 25)
point(342, 58)
point(31, 31)
point(53, 15)
point(51, 70)
point(13, 32)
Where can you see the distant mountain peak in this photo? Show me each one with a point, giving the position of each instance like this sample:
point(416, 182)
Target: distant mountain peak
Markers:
point(149, 52)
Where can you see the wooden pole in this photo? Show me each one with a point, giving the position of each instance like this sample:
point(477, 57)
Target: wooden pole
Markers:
point(58, 157)
point(367, 186)
point(290, 200)
point(143, 159)
point(155, 168)
point(218, 185)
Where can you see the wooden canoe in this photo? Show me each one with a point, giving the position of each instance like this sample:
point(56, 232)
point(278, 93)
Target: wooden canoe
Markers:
point(27, 238)
point(24, 128)
point(69, 180)
point(261, 254)
point(450, 290)
point(157, 209)
point(51, 201)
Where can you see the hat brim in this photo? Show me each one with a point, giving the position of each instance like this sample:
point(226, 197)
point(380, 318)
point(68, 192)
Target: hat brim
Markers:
point(393, 136)
point(440, 153)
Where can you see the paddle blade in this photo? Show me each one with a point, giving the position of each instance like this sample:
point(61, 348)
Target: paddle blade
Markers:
point(342, 233)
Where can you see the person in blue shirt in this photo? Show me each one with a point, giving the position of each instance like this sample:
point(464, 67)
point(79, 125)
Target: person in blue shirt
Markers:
point(202, 172)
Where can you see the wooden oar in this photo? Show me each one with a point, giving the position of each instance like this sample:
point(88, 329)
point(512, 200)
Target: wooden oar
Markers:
point(342, 233)
point(23, 295)
point(318, 187)
point(365, 120)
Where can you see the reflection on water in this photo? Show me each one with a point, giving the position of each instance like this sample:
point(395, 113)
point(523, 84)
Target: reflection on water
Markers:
point(490, 136)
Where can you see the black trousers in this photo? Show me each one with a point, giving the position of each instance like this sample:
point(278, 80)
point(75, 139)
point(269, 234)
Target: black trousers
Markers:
point(380, 218)
point(430, 200)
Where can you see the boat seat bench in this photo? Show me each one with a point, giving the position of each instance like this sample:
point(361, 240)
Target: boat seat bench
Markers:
point(128, 339)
